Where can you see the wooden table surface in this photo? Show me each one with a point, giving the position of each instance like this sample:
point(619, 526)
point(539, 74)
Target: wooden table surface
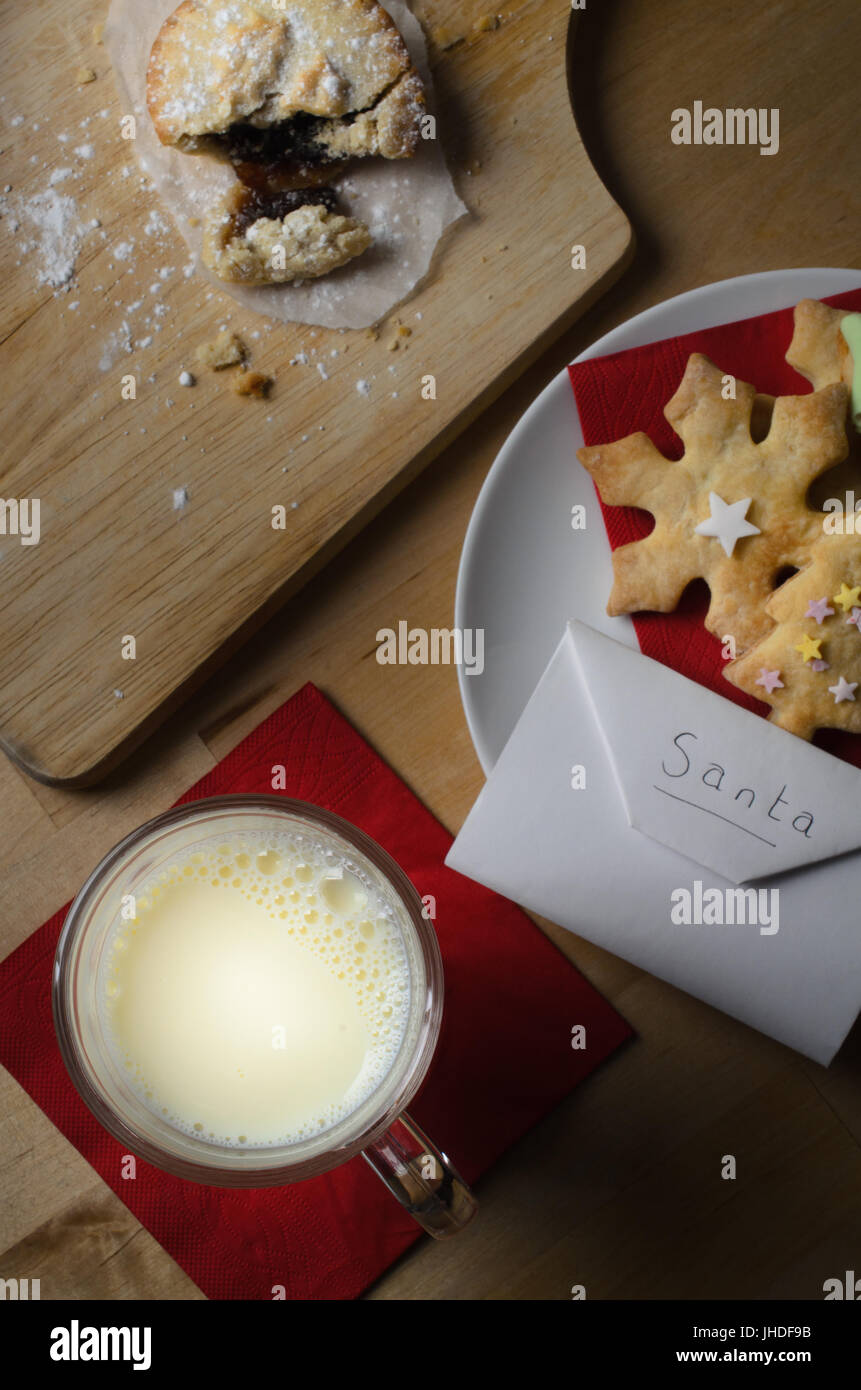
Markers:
point(619, 1189)
point(115, 557)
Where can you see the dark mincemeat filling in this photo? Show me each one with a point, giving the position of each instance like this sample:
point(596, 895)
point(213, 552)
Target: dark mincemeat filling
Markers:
point(259, 204)
point(281, 158)
point(295, 138)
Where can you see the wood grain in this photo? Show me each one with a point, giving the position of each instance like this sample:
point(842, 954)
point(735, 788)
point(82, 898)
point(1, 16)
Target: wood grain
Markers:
point(618, 1188)
point(115, 559)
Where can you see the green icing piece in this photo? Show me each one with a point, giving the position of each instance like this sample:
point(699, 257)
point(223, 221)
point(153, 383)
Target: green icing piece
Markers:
point(850, 327)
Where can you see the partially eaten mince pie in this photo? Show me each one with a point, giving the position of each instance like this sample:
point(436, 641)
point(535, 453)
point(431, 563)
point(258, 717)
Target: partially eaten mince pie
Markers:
point(288, 92)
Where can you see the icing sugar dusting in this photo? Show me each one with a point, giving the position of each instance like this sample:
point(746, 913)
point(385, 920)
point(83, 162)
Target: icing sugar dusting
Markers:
point(58, 233)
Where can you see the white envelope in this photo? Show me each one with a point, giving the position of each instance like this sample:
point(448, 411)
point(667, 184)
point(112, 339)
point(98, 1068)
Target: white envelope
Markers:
point(628, 805)
point(701, 775)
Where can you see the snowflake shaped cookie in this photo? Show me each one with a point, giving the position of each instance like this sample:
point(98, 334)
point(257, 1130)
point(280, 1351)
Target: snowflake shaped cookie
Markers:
point(817, 662)
point(731, 511)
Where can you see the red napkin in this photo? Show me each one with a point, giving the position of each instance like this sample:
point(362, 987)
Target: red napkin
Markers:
point(504, 1057)
point(624, 392)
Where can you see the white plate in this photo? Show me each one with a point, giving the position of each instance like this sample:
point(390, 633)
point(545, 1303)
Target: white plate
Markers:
point(523, 571)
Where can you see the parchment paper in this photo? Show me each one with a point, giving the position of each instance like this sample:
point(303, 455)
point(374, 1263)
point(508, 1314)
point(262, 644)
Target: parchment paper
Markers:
point(406, 203)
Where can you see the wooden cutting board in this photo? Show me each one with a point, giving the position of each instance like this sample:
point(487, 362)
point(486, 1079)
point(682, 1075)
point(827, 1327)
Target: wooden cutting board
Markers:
point(116, 558)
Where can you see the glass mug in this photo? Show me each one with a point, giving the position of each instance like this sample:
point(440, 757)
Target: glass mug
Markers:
point(414, 1170)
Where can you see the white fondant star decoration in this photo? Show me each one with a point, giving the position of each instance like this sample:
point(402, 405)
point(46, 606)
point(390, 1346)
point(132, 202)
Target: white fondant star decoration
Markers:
point(818, 608)
point(854, 617)
point(769, 680)
point(843, 690)
point(727, 522)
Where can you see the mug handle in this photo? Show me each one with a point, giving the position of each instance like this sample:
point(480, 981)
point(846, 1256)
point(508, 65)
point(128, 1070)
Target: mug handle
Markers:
point(422, 1178)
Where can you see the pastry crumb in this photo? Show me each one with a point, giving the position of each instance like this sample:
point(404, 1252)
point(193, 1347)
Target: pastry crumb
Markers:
point(84, 75)
point(98, 33)
point(485, 23)
point(444, 38)
point(252, 384)
point(404, 331)
point(225, 350)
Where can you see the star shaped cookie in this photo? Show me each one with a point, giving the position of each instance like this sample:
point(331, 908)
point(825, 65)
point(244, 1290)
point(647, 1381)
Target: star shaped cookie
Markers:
point(826, 347)
point(732, 510)
point(818, 349)
point(809, 668)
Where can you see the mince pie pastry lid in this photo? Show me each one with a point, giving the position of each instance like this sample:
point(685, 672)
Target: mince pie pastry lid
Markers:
point(216, 64)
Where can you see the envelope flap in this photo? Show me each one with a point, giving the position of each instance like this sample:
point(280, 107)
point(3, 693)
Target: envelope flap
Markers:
point(709, 779)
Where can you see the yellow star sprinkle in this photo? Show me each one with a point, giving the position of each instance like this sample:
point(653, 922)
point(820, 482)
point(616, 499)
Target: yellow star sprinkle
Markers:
point(809, 648)
point(847, 598)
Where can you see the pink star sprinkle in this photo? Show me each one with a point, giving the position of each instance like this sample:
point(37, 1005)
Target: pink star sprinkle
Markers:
point(819, 665)
point(769, 680)
point(818, 608)
point(854, 617)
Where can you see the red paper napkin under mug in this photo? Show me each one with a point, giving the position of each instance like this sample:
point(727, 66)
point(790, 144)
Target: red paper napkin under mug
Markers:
point(504, 1057)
